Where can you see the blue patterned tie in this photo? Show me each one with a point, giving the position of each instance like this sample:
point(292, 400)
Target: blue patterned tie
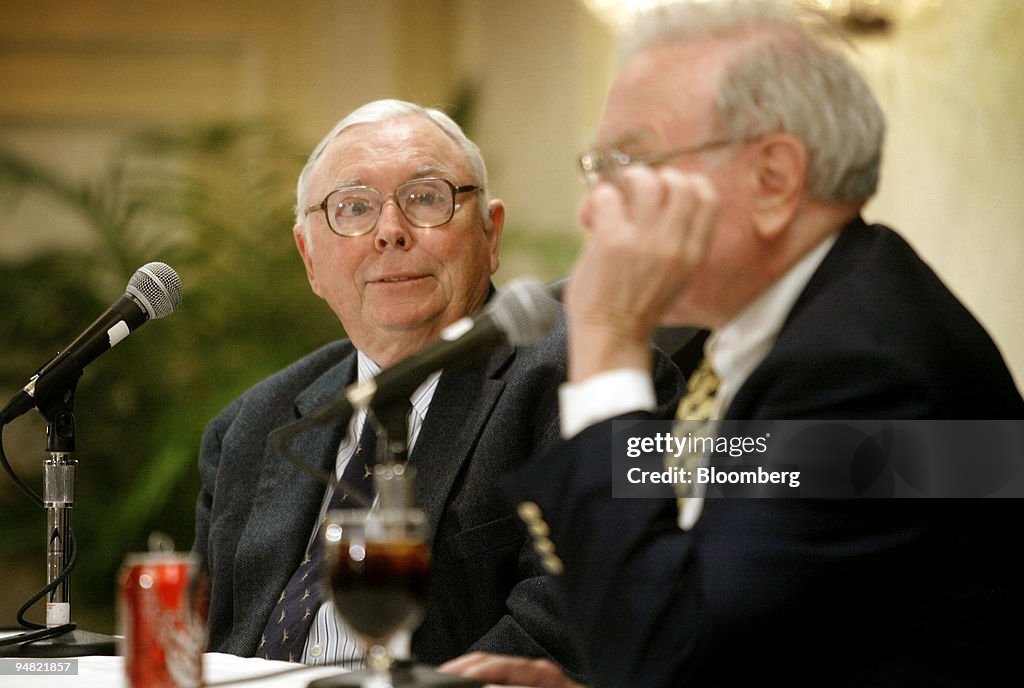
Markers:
point(285, 634)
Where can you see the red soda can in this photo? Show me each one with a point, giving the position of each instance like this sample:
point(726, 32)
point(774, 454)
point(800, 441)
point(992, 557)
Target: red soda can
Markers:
point(162, 620)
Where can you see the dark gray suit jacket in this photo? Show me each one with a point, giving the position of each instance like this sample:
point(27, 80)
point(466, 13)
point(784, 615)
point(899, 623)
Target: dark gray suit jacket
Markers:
point(487, 591)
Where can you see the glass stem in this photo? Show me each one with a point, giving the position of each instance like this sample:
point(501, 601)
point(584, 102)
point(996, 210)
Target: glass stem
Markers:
point(378, 660)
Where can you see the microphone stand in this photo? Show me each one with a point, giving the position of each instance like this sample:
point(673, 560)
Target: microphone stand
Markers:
point(61, 548)
point(394, 420)
point(393, 477)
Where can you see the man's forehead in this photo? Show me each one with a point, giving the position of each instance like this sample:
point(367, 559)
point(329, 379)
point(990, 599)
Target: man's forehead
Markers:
point(407, 147)
point(638, 119)
point(657, 94)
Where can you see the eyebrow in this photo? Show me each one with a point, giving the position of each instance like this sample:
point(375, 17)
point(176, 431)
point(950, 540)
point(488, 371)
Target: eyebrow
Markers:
point(631, 137)
point(351, 181)
point(428, 171)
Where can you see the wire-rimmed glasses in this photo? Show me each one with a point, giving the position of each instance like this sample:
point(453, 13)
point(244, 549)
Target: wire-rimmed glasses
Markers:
point(352, 211)
point(599, 164)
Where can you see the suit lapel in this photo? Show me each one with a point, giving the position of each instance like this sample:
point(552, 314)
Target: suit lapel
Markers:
point(288, 500)
point(286, 504)
point(463, 401)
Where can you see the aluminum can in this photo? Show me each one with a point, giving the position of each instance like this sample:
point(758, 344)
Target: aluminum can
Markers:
point(162, 602)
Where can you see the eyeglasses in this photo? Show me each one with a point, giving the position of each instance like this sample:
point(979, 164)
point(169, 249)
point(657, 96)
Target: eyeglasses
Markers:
point(600, 164)
point(352, 211)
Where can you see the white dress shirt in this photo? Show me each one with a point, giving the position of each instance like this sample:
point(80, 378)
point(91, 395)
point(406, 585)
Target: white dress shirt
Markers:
point(329, 639)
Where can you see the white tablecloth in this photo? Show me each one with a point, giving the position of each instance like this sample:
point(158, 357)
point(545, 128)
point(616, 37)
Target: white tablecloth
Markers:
point(108, 672)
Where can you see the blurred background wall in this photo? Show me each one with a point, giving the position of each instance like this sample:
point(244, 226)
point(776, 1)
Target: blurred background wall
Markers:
point(140, 130)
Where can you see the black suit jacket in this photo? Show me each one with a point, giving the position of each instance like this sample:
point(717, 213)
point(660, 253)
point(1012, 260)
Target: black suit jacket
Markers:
point(801, 591)
point(487, 590)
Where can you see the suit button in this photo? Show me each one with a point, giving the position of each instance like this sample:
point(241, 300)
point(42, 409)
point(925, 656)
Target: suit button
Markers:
point(539, 529)
point(529, 512)
point(552, 564)
point(543, 546)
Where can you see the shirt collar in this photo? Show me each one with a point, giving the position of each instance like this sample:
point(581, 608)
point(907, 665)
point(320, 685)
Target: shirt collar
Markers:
point(367, 368)
point(742, 344)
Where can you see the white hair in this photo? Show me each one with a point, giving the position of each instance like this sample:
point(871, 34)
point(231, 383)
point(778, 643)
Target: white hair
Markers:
point(779, 78)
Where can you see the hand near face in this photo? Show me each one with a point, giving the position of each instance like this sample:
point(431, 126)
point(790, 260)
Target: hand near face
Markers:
point(509, 671)
point(649, 232)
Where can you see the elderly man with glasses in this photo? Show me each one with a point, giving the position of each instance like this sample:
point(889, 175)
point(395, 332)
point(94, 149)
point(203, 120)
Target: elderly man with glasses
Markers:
point(399, 236)
point(733, 159)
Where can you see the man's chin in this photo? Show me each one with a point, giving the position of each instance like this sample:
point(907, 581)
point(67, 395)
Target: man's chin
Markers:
point(684, 313)
point(413, 320)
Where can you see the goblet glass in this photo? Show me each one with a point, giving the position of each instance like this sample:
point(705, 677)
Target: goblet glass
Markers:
point(377, 562)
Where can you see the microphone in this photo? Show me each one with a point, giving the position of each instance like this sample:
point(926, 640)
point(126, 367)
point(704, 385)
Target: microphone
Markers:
point(154, 291)
point(519, 314)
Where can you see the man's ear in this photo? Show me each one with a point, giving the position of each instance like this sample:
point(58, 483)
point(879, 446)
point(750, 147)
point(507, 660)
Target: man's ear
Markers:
point(306, 251)
point(780, 172)
point(492, 228)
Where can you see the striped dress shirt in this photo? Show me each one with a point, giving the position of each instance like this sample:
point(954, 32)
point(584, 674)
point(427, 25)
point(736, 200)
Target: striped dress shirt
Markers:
point(330, 641)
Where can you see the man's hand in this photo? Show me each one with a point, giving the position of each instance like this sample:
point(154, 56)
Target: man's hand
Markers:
point(648, 233)
point(509, 671)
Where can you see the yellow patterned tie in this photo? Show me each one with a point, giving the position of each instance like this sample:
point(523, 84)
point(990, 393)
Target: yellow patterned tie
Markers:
point(693, 417)
point(699, 400)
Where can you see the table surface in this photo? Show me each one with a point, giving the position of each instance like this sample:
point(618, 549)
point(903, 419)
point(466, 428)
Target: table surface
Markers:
point(108, 672)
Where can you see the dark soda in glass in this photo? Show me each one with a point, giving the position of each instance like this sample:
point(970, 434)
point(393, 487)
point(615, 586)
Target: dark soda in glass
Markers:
point(379, 587)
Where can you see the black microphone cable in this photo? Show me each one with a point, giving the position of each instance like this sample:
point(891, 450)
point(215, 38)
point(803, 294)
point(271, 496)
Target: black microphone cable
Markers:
point(330, 412)
point(37, 631)
point(29, 492)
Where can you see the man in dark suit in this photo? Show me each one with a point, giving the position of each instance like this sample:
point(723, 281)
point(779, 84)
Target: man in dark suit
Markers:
point(399, 236)
point(735, 153)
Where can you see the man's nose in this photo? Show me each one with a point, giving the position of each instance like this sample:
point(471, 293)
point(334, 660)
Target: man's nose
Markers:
point(392, 227)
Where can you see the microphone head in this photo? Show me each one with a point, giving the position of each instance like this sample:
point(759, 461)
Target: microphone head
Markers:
point(524, 311)
point(157, 288)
